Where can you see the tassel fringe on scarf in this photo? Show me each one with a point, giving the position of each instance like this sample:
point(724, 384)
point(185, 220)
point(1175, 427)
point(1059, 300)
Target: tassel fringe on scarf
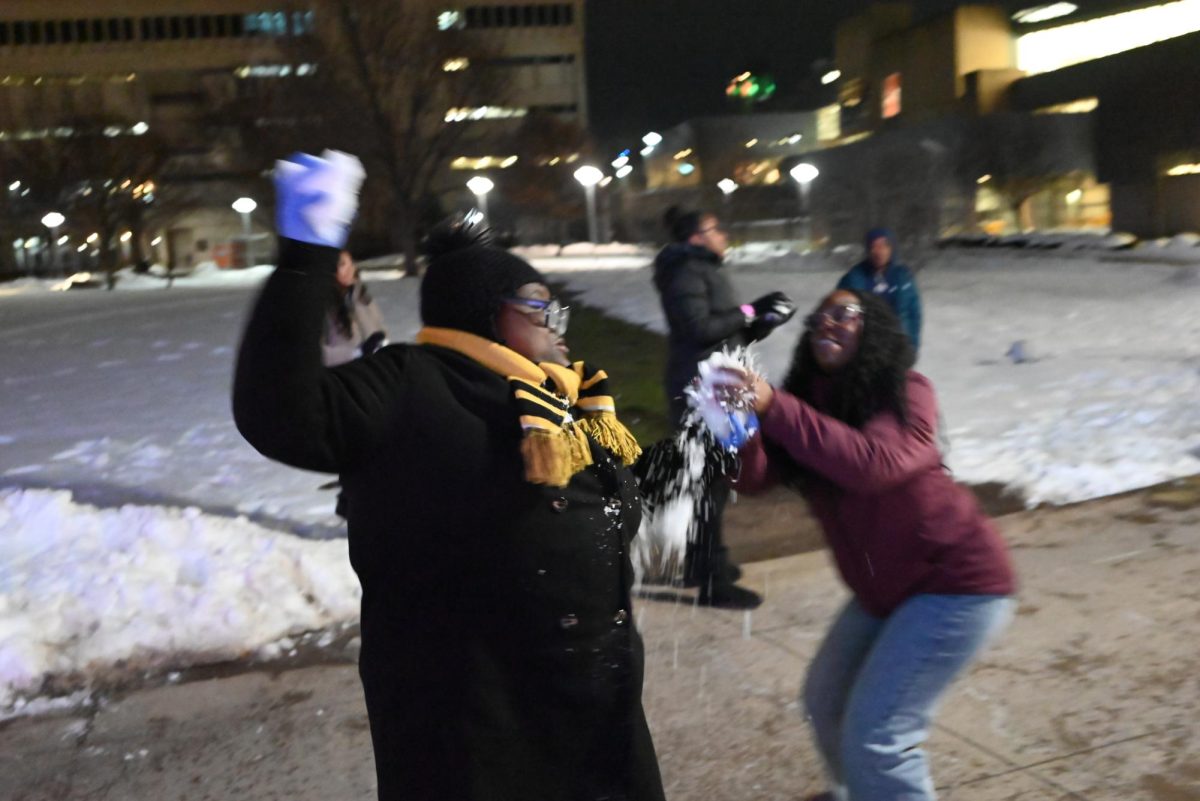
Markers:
point(555, 444)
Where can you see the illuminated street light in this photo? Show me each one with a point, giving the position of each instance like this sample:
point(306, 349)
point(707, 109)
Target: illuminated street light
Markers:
point(652, 139)
point(480, 186)
point(52, 221)
point(804, 174)
point(245, 206)
point(588, 176)
point(727, 185)
point(830, 77)
point(624, 171)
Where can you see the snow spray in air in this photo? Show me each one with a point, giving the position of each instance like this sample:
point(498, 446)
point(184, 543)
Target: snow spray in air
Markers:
point(677, 475)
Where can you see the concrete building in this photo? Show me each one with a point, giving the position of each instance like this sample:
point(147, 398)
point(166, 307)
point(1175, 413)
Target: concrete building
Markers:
point(972, 119)
point(1129, 69)
point(167, 68)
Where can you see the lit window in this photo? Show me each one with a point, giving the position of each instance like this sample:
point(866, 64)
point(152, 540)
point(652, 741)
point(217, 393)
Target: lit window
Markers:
point(1064, 45)
point(464, 113)
point(891, 96)
point(455, 64)
point(448, 20)
point(1081, 106)
point(1050, 11)
point(1184, 169)
point(829, 123)
point(483, 162)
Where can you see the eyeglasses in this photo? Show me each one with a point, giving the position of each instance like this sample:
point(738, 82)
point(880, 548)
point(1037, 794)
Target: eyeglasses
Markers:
point(840, 315)
point(554, 314)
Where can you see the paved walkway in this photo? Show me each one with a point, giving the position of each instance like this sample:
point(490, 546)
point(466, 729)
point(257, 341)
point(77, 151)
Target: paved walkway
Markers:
point(1094, 692)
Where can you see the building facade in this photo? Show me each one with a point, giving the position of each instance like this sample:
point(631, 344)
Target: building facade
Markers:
point(164, 70)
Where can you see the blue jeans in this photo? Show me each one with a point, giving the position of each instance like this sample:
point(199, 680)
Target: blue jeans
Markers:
point(875, 683)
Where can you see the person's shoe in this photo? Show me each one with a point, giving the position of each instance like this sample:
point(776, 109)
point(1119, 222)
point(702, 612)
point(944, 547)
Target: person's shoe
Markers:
point(729, 596)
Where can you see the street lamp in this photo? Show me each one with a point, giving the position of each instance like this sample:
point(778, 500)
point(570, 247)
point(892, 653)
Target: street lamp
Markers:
point(652, 139)
point(52, 221)
point(727, 186)
point(245, 206)
point(589, 176)
point(480, 186)
point(804, 174)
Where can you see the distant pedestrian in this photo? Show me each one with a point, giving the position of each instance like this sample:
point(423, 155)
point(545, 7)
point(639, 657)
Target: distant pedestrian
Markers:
point(880, 274)
point(853, 428)
point(704, 316)
point(353, 324)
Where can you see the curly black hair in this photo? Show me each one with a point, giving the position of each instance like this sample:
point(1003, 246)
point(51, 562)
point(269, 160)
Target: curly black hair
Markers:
point(875, 380)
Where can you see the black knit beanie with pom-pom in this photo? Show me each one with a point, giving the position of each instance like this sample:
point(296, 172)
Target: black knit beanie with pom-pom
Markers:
point(467, 277)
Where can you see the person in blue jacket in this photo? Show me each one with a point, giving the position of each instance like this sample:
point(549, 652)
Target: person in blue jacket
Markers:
point(880, 274)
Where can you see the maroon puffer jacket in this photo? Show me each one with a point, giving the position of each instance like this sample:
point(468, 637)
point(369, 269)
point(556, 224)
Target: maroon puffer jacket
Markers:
point(895, 520)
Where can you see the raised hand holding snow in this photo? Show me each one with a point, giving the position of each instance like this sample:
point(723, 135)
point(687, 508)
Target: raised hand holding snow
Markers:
point(721, 400)
point(316, 197)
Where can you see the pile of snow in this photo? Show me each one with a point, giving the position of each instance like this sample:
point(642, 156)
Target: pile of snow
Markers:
point(82, 588)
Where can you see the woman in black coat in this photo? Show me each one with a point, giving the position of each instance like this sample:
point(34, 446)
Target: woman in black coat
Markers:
point(489, 529)
point(704, 316)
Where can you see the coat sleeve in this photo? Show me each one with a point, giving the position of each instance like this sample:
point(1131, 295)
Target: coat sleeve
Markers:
point(883, 454)
point(286, 403)
point(757, 473)
point(910, 310)
point(689, 310)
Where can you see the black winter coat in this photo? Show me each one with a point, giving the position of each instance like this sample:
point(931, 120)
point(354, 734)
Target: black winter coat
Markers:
point(702, 313)
point(499, 657)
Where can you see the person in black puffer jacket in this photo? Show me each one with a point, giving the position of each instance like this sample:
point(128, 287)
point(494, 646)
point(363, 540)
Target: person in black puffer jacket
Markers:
point(490, 509)
point(704, 316)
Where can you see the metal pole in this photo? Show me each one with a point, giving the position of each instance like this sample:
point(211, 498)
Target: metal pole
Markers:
point(483, 207)
point(593, 234)
point(246, 239)
point(805, 213)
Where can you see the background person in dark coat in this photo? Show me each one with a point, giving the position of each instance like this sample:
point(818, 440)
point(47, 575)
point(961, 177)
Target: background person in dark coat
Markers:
point(489, 530)
point(854, 429)
point(879, 274)
point(704, 316)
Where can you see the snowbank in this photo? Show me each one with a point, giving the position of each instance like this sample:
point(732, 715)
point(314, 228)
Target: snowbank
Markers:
point(82, 588)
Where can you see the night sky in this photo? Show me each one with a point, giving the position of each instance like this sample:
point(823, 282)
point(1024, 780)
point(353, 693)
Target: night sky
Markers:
point(655, 63)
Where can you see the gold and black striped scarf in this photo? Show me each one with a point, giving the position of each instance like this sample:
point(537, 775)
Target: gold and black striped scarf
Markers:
point(555, 443)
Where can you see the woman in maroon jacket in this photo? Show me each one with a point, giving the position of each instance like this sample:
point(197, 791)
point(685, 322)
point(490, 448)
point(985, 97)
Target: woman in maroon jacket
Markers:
point(853, 428)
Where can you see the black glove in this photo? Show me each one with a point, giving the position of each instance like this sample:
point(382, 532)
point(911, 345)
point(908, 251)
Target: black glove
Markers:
point(373, 343)
point(770, 312)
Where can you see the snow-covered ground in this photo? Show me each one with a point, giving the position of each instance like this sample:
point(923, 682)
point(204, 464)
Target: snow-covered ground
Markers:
point(123, 398)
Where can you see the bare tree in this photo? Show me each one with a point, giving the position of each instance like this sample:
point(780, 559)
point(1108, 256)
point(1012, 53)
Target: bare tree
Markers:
point(541, 183)
point(98, 173)
point(1025, 154)
point(388, 86)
